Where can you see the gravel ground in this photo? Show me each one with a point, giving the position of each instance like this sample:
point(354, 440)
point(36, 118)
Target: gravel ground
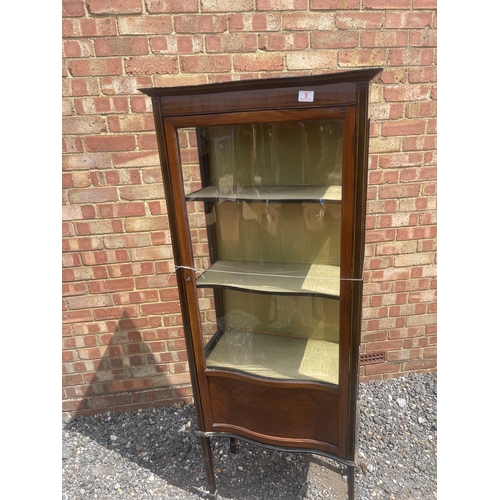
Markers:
point(154, 453)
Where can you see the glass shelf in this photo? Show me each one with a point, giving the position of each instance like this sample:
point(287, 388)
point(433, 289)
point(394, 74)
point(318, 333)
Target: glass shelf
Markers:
point(316, 279)
point(275, 356)
point(285, 194)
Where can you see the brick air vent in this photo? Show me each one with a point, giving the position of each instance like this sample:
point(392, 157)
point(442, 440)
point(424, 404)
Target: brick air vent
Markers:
point(372, 358)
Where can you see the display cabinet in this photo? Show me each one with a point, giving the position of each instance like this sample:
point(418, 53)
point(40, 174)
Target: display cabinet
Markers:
point(265, 183)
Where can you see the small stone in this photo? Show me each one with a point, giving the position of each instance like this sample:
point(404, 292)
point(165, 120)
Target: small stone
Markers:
point(401, 402)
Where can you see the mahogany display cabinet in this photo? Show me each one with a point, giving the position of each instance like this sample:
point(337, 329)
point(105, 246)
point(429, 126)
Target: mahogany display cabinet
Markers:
point(265, 183)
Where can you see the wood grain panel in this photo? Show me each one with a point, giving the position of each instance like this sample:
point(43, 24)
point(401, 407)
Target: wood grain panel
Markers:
point(324, 95)
point(275, 410)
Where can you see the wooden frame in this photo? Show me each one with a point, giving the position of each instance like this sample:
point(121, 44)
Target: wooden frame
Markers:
point(308, 414)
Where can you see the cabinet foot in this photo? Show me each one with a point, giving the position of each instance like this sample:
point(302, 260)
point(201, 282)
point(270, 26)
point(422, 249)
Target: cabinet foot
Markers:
point(232, 445)
point(206, 451)
point(350, 482)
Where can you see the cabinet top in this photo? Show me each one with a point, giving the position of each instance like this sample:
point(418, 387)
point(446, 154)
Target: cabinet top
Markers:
point(358, 75)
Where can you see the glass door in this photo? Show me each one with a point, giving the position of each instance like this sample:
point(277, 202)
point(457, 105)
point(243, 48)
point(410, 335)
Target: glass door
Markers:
point(265, 212)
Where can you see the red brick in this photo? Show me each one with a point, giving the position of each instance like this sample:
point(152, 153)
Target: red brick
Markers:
point(206, 63)
point(387, 4)
point(151, 65)
point(334, 40)
point(136, 297)
point(420, 364)
point(408, 19)
point(89, 301)
point(383, 368)
point(95, 67)
point(114, 6)
point(92, 258)
point(283, 41)
point(255, 22)
point(130, 123)
point(160, 308)
point(147, 141)
point(421, 143)
point(387, 235)
point(121, 46)
point(234, 42)
point(111, 286)
point(399, 191)
point(135, 159)
point(380, 177)
point(140, 104)
point(76, 179)
point(407, 92)
point(89, 27)
point(226, 5)
point(122, 210)
point(424, 4)
point(421, 109)
point(384, 39)
point(115, 312)
point(282, 5)
point(71, 260)
point(73, 8)
point(72, 145)
point(100, 105)
point(335, 5)
point(359, 20)
point(317, 21)
point(192, 23)
point(78, 48)
point(92, 195)
point(156, 6)
point(136, 269)
point(70, 289)
point(124, 85)
point(422, 75)
point(410, 57)
point(110, 143)
point(416, 233)
point(423, 38)
point(126, 241)
point(356, 58)
point(177, 44)
point(403, 127)
point(81, 87)
point(258, 62)
point(77, 316)
point(75, 125)
point(151, 253)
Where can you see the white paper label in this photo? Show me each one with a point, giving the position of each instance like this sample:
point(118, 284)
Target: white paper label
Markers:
point(306, 95)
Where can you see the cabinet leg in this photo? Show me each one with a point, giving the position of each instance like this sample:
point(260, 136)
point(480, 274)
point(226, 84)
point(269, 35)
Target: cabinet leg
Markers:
point(350, 482)
point(232, 445)
point(208, 463)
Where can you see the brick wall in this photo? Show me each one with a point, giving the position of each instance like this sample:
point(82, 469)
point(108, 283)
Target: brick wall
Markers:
point(123, 344)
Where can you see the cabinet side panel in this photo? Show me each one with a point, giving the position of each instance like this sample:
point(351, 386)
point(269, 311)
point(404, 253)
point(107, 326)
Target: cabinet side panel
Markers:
point(275, 411)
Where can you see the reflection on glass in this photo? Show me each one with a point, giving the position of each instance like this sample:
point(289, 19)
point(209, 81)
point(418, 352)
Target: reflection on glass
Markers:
point(271, 197)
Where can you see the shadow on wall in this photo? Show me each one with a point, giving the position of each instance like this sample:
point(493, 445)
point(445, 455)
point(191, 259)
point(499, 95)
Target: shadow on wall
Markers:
point(129, 372)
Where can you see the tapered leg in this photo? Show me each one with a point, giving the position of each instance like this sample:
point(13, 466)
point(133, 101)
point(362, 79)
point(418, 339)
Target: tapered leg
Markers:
point(232, 445)
point(206, 451)
point(350, 482)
